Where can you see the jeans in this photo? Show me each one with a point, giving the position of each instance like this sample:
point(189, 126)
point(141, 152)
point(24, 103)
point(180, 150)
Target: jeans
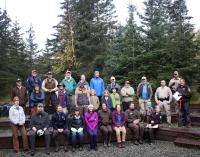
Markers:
point(92, 138)
point(75, 136)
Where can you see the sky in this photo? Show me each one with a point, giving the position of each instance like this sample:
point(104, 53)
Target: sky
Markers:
point(43, 14)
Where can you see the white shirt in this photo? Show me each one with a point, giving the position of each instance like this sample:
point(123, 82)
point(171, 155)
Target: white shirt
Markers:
point(16, 115)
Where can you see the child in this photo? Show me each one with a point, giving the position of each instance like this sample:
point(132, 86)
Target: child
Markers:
point(94, 100)
point(115, 98)
point(106, 99)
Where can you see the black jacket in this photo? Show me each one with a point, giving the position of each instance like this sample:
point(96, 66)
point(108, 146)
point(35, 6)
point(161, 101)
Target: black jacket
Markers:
point(75, 122)
point(40, 120)
point(185, 92)
point(153, 117)
point(59, 121)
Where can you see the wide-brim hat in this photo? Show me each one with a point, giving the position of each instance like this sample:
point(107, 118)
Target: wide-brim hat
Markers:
point(60, 84)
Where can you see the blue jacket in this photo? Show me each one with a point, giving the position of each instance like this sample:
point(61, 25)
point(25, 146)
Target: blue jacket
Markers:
point(36, 98)
point(98, 85)
point(30, 82)
point(59, 121)
point(108, 102)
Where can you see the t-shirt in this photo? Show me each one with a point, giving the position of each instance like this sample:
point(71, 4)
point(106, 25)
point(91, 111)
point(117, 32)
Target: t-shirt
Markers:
point(119, 119)
point(145, 92)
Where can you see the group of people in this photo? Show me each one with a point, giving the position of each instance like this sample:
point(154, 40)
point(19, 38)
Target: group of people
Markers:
point(83, 107)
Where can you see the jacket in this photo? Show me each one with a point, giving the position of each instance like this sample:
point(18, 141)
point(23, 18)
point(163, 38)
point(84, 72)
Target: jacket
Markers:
point(40, 120)
point(59, 121)
point(16, 115)
point(82, 96)
point(31, 81)
point(98, 85)
point(114, 118)
point(36, 98)
point(153, 117)
point(91, 120)
point(185, 91)
point(76, 122)
point(127, 90)
point(70, 86)
point(105, 117)
point(113, 85)
point(21, 93)
point(132, 115)
point(94, 100)
point(108, 102)
point(140, 89)
point(115, 99)
point(63, 98)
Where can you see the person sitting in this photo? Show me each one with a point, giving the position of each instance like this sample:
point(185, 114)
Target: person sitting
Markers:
point(76, 125)
point(153, 119)
point(63, 98)
point(39, 125)
point(94, 100)
point(115, 98)
point(118, 118)
point(37, 96)
point(17, 121)
point(105, 121)
point(91, 121)
point(106, 99)
point(133, 119)
point(59, 123)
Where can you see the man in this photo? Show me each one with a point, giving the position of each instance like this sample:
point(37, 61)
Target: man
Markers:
point(105, 122)
point(173, 85)
point(39, 125)
point(127, 93)
point(184, 104)
point(113, 84)
point(49, 86)
point(97, 84)
point(163, 97)
point(144, 93)
point(70, 86)
point(60, 126)
point(31, 81)
point(21, 92)
point(133, 119)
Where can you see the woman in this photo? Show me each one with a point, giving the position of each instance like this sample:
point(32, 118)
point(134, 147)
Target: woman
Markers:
point(17, 121)
point(106, 99)
point(118, 118)
point(37, 96)
point(76, 125)
point(94, 100)
point(91, 121)
point(115, 98)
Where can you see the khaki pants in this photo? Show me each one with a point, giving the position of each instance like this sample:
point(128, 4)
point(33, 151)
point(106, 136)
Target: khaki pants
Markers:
point(118, 131)
point(65, 111)
point(143, 105)
point(166, 106)
point(23, 132)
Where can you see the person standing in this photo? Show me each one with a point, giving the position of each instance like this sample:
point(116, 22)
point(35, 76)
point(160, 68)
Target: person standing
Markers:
point(39, 125)
point(60, 125)
point(118, 119)
point(127, 93)
point(70, 86)
point(112, 85)
point(115, 98)
point(17, 121)
point(32, 80)
point(91, 122)
point(144, 93)
point(133, 120)
point(106, 99)
point(20, 91)
point(105, 122)
point(163, 97)
point(97, 84)
point(184, 104)
point(49, 86)
point(94, 100)
point(84, 82)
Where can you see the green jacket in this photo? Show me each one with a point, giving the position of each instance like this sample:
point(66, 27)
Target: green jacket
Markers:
point(70, 86)
point(115, 99)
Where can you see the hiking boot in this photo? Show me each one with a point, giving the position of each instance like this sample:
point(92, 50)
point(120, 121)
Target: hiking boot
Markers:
point(136, 142)
point(140, 142)
point(123, 145)
point(119, 145)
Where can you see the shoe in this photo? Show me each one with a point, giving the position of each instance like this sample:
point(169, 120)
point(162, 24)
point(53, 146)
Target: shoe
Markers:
point(47, 153)
point(57, 149)
point(140, 142)
point(95, 148)
point(136, 142)
point(65, 148)
point(73, 149)
point(81, 148)
point(32, 153)
point(123, 145)
point(109, 145)
point(119, 145)
point(104, 144)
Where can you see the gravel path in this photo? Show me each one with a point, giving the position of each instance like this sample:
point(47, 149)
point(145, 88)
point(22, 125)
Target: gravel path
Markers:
point(159, 149)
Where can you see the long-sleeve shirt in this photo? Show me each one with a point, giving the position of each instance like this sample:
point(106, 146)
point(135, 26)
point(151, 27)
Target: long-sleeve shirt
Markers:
point(59, 120)
point(70, 85)
point(98, 85)
point(21, 92)
point(16, 115)
point(49, 84)
point(40, 120)
point(31, 81)
point(163, 93)
point(118, 119)
point(127, 94)
point(36, 98)
point(91, 120)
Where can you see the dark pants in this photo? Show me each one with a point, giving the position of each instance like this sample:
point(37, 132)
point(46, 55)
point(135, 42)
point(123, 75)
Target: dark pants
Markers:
point(138, 131)
point(107, 131)
point(92, 138)
point(32, 136)
point(77, 137)
point(150, 133)
point(55, 137)
point(22, 130)
point(125, 105)
point(50, 99)
point(184, 114)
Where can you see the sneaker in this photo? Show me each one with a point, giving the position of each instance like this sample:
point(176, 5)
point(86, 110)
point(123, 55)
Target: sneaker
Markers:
point(140, 142)
point(123, 145)
point(32, 153)
point(73, 149)
point(136, 142)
